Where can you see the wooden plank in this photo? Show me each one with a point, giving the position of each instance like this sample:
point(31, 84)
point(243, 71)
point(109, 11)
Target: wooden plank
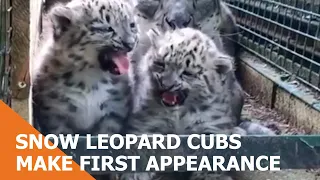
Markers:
point(20, 48)
point(35, 27)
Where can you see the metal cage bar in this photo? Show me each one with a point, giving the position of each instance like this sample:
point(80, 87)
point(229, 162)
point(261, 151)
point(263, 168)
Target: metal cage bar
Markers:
point(284, 33)
point(5, 49)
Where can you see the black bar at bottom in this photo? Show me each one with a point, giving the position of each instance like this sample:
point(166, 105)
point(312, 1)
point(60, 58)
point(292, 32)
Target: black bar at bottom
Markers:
point(296, 152)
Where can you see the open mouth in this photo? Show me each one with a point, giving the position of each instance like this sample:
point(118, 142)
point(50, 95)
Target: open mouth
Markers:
point(116, 63)
point(175, 98)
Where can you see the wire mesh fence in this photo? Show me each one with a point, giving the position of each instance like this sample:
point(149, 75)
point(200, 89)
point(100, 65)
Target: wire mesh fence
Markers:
point(284, 33)
point(5, 64)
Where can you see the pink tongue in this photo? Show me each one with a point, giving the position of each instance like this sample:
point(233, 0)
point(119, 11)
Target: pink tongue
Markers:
point(122, 62)
point(170, 98)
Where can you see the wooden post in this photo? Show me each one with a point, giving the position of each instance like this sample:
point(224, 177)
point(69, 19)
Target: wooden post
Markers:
point(35, 32)
point(20, 48)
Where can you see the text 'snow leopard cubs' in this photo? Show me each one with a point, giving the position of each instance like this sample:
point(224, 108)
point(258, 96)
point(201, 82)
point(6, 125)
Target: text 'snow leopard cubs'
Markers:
point(80, 79)
point(189, 89)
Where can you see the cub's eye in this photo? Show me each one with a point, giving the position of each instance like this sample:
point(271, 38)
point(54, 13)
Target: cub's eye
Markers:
point(186, 73)
point(110, 29)
point(158, 66)
point(161, 64)
point(132, 25)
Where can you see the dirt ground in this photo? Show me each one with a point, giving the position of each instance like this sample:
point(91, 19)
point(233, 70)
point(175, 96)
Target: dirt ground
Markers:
point(254, 111)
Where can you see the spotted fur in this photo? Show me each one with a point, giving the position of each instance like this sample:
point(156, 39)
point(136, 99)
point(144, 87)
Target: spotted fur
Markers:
point(212, 17)
point(188, 62)
point(74, 89)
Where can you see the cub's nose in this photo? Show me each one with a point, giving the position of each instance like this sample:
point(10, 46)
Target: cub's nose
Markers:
point(179, 21)
point(128, 42)
point(128, 45)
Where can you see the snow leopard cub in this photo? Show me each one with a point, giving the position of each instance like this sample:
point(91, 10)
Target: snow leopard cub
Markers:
point(213, 18)
point(80, 79)
point(188, 90)
point(167, 15)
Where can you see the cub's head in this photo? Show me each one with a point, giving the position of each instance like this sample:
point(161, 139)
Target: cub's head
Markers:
point(172, 14)
point(103, 28)
point(186, 67)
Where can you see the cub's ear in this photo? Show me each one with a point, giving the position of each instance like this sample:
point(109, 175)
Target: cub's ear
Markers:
point(155, 36)
point(61, 18)
point(133, 3)
point(147, 7)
